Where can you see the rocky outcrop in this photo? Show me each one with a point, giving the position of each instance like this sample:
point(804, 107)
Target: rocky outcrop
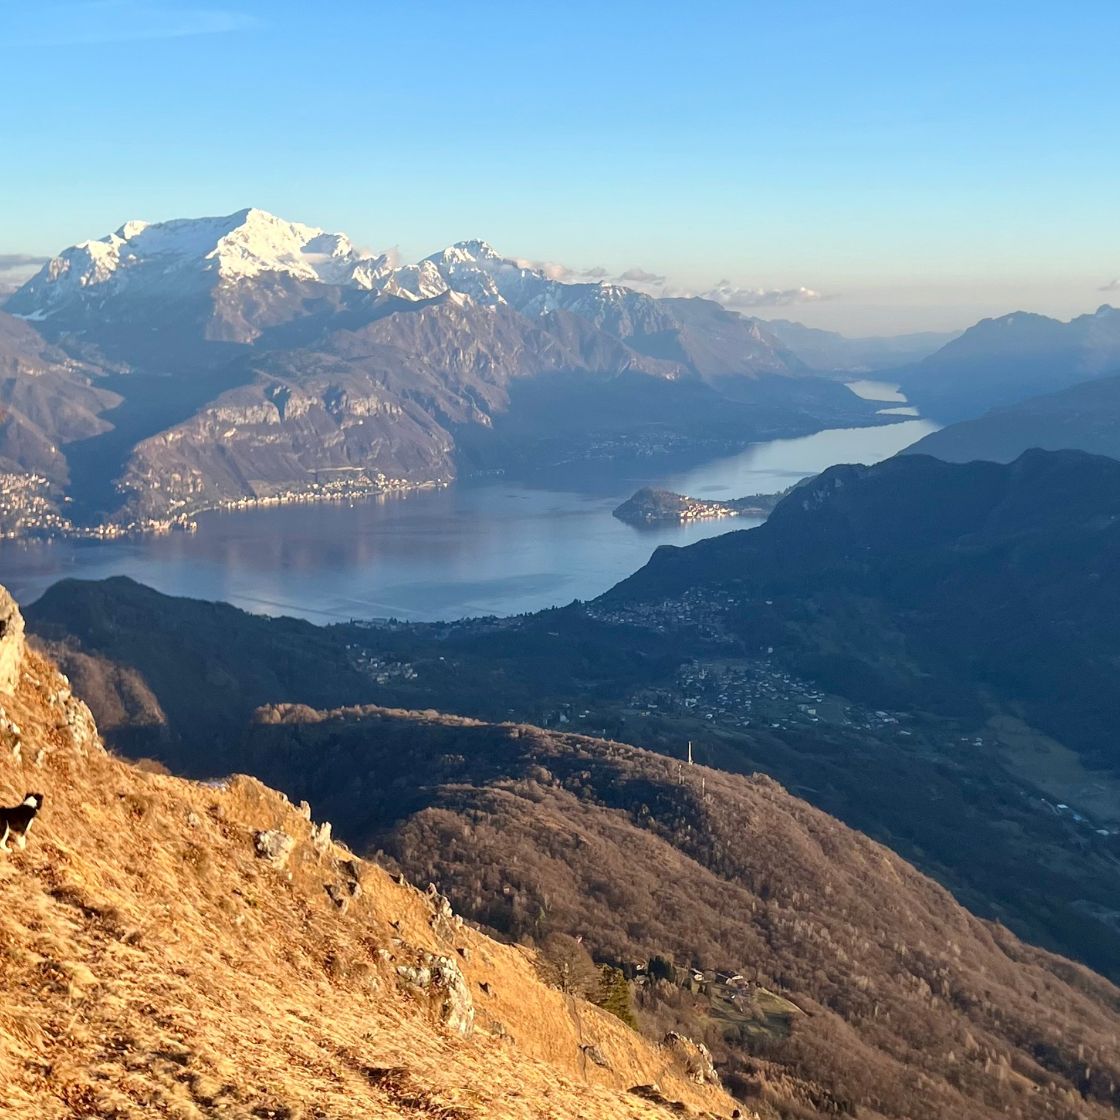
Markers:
point(694, 1058)
point(445, 921)
point(11, 642)
point(274, 846)
point(438, 979)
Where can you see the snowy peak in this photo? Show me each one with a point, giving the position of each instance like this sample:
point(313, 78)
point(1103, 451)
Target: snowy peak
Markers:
point(147, 276)
point(185, 251)
point(258, 242)
point(131, 229)
point(468, 252)
point(415, 281)
point(185, 257)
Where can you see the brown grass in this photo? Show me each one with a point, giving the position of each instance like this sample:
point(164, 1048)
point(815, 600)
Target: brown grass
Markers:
point(153, 966)
point(913, 1008)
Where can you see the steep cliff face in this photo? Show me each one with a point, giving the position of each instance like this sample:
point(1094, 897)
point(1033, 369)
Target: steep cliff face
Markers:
point(176, 949)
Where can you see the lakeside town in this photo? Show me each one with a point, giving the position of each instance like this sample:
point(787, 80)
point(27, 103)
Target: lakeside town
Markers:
point(30, 511)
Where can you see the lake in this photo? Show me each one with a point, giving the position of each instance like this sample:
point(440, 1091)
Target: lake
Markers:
point(471, 549)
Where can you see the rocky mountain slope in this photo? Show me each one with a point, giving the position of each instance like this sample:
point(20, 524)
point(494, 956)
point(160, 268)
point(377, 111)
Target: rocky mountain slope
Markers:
point(858, 979)
point(986, 578)
point(826, 975)
point(1000, 361)
point(1084, 417)
point(259, 359)
point(921, 649)
point(47, 401)
point(175, 949)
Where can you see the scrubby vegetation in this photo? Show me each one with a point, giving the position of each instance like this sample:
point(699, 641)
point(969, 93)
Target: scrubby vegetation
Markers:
point(160, 960)
point(821, 960)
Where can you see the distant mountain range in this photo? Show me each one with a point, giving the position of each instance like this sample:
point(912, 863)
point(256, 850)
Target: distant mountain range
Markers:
point(251, 278)
point(1000, 361)
point(182, 365)
point(829, 350)
point(245, 358)
point(1085, 417)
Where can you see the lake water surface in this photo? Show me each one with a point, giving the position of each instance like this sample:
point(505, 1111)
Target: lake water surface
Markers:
point(472, 549)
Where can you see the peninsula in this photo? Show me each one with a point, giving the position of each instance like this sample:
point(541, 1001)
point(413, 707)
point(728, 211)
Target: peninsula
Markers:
point(649, 506)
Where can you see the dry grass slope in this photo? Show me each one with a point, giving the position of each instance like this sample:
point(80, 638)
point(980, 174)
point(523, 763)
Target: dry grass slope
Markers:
point(914, 1008)
point(154, 965)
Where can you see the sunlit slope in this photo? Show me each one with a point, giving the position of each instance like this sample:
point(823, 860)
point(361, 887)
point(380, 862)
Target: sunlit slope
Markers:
point(156, 964)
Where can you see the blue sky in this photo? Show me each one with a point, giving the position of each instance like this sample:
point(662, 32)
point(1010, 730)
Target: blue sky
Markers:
point(915, 164)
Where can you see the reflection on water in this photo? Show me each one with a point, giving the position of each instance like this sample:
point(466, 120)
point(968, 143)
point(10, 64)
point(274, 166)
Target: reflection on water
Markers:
point(877, 391)
point(769, 467)
point(479, 549)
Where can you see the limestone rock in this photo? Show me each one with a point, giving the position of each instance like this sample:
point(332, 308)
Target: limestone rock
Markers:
point(11, 642)
point(595, 1055)
point(438, 978)
point(444, 920)
point(274, 845)
point(321, 837)
point(693, 1057)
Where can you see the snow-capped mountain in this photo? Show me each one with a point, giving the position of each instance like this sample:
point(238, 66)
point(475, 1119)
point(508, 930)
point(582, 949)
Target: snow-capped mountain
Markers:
point(179, 255)
point(477, 268)
point(142, 259)
point(238, 279)
point(300, 353)
point(187, 256)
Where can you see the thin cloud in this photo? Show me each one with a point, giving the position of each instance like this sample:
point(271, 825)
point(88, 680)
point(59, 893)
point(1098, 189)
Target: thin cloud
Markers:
point(734, 297)
point(552, 269)
point(9, 261)
point(16, 269)
point(640, 276)
point(1111, 286)
point(392, 255)
point(121, 21)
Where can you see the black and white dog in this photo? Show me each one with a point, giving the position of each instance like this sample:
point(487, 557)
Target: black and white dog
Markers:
point(15, 823)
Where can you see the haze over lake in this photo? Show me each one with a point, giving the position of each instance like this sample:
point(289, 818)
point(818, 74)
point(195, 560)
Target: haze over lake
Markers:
point(472, 549)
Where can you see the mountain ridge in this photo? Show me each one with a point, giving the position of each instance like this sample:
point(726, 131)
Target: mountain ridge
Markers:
point(1083, 417)
point(174, 317)
point(1000, 361)
point(180, 949)
point(626, 849)
point(818, 995)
